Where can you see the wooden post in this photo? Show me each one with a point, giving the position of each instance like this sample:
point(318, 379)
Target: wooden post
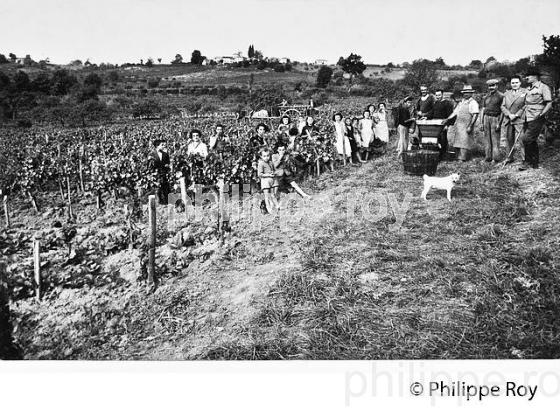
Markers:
point(81, 168)
point(6, 211)
point(61, 190)
point(128, 216)
point(98, 200)
point(70, 213)
point(223, 188)
point(151, 239)
point(37, 267)
point(318, 167)
point(344, 150)
point(183, 186)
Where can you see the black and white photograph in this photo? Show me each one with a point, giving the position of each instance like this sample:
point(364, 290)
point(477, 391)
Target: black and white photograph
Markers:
point(259, 182)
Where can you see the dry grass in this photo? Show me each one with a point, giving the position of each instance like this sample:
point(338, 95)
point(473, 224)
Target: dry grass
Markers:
point(476, 279)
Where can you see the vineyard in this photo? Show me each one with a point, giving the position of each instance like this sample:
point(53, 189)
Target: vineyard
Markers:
point(309, 283)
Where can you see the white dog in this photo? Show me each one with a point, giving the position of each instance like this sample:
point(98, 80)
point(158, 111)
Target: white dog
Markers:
point(446, 183)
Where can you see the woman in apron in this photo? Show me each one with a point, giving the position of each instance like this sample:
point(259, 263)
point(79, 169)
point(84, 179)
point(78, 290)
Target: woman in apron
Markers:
point(461, 133)
point(342, 143)
point(381, 127)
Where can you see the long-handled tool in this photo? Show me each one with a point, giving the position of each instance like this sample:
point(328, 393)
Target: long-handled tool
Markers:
point(512, 148)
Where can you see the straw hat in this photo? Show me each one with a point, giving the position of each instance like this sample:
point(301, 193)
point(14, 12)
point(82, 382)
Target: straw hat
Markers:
point(467, 88)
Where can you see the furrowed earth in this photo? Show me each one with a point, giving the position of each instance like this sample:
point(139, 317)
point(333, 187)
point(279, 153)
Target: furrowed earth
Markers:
point(474, 278)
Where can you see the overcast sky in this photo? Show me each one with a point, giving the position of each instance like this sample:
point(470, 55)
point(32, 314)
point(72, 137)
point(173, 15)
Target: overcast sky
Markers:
point(119, 31)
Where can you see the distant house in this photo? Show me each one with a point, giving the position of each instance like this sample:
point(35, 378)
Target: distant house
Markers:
point(284, 60)
point(224, 59)
point(320, 62)
point(20, 60)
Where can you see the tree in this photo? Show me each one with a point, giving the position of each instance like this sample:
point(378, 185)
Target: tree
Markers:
point(62, 81)
point(352, 65)
point(150, 62)
point(258, 55)
point(551, 56)
point(13, 57)
point(178, 59)
point(251, 51)
point(440, 63)
point(477, 64)
point(521, 65)
point(41, 84)
point(93, 80)
point(21, 81)
point(421, 72)
point(324, 76)
point(113, 76)
point(3, 59)
point(159, 60)
point(76, 63)
point(197, 58)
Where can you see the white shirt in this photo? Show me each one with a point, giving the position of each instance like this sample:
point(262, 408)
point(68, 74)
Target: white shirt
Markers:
point(199, 148)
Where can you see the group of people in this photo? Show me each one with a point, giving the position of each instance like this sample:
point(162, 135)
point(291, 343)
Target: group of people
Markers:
point(516, 115)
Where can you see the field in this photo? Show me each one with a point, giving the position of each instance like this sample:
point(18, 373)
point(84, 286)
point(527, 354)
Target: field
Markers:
point(342, 276)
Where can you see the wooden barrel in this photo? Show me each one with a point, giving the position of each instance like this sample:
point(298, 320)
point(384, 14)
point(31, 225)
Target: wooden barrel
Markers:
point(420, 162)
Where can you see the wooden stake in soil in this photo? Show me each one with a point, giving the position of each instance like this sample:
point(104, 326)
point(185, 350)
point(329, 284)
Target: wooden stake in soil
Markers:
point(343, 150)
point(151, 239)
point(318, 167)
point(81, 168)
point(183, 186)
point(6, 211)
point(70, 213)
point(37, 267)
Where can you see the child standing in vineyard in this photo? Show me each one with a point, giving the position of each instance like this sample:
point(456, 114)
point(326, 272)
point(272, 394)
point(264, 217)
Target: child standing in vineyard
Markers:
point(159, 163)
point(265, 171)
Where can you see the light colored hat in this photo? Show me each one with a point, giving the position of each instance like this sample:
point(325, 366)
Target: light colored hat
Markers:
point(492, 82)
point(467, 88)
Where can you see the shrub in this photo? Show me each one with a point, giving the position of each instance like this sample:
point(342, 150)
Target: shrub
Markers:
point(324, 76)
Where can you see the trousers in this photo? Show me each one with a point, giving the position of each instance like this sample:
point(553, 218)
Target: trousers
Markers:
point(491, 138)
point(511, 133)
point(402, 145)
point(530, 141)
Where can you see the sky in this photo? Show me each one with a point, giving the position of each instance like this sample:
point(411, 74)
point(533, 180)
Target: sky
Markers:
point(119, 31)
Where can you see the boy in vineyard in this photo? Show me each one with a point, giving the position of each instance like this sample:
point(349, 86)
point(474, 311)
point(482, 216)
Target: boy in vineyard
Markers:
point(283, 173)
point(265, 171)
point(159, 163)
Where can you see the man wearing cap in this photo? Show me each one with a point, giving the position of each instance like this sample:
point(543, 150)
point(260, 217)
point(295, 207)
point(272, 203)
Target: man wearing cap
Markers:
point(403, 121)
point(538, 102)
point(461, 133)
point(513, 107)
point(490, 122)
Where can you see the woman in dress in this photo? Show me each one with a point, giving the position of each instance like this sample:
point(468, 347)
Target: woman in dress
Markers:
point(381, 128)
point(351, 133)
point(342, 143)
point(367, 133)
point(309, 130)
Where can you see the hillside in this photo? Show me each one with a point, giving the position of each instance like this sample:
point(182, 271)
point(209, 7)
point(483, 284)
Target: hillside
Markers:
point(323, 282)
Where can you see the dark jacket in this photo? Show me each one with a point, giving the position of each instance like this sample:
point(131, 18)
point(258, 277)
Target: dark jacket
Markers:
point(426, 107)
point(159, 165)
point(442, 109)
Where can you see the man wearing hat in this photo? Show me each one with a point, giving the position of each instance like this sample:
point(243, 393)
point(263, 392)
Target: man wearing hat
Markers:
point(461, 133)
point(490, 121)
point(513, 107)
point(538, 102)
